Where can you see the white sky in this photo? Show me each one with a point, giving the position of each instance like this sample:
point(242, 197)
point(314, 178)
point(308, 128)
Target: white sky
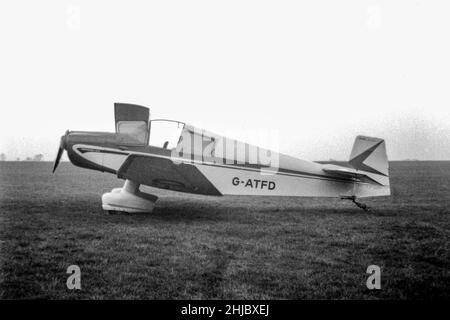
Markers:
point(317, 73)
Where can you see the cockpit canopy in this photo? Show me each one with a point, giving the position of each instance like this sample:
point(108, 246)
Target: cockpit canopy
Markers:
point(134, 127)
point(132, 123)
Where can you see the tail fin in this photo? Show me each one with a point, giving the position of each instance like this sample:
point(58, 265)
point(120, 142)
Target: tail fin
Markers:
point(369, 155)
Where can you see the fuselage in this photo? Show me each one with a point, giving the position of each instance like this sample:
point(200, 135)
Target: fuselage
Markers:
point(233, 175)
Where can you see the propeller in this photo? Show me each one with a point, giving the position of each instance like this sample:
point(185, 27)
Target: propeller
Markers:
point(62, 146)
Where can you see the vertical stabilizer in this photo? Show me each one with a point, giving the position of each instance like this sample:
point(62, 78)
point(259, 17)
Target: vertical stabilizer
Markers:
point(369, 155)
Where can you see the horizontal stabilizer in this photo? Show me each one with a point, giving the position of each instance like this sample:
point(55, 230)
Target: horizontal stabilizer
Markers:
point(348, 173)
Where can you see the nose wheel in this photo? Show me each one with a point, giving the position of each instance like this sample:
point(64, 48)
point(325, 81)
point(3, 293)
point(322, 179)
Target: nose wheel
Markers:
point(128, 199)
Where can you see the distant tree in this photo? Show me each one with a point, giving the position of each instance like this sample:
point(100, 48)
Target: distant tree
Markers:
point(27, 159)
point(2, 157)
point(17, 159)
point(38, 157)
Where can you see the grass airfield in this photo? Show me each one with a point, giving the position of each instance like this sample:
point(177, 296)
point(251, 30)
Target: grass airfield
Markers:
point(194, 247)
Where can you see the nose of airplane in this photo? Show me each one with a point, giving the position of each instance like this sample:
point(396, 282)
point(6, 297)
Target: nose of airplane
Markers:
point(62, 146)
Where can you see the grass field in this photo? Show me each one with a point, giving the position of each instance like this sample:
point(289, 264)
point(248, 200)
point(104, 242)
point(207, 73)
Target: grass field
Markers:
point(214, 248)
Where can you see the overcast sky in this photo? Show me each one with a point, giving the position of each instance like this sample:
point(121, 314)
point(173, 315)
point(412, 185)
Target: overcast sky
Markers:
point(315, 73)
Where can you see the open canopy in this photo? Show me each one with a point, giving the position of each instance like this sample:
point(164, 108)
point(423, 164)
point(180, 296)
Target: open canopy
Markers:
point(132, 122)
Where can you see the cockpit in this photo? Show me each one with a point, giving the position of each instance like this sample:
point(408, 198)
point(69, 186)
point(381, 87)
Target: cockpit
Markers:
point(165, 133)
point(134, 127)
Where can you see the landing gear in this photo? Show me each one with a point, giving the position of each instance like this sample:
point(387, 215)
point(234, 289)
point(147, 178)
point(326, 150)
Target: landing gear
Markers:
point(128, 199)
point(359, 204)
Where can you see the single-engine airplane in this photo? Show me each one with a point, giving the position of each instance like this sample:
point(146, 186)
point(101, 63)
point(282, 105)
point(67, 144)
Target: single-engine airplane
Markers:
point(173, 155)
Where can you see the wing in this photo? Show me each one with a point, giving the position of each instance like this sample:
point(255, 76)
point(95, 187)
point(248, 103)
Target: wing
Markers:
point(165, 174)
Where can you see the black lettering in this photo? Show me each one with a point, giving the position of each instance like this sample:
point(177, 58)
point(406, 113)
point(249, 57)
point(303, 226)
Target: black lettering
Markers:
point(235, 181)
point(271, 185)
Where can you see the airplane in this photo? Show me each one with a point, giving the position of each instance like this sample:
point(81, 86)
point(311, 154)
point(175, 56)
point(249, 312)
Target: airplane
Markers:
point(173, 155)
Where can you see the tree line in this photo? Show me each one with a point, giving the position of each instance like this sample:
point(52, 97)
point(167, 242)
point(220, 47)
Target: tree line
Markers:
point(36, 157)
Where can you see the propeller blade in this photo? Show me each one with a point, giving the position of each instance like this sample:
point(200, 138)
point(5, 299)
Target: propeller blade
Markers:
point(60, 150)
point(58, 158)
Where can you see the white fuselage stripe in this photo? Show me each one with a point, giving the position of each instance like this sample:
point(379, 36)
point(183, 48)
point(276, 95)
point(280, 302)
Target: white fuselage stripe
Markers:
point(100, 161)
